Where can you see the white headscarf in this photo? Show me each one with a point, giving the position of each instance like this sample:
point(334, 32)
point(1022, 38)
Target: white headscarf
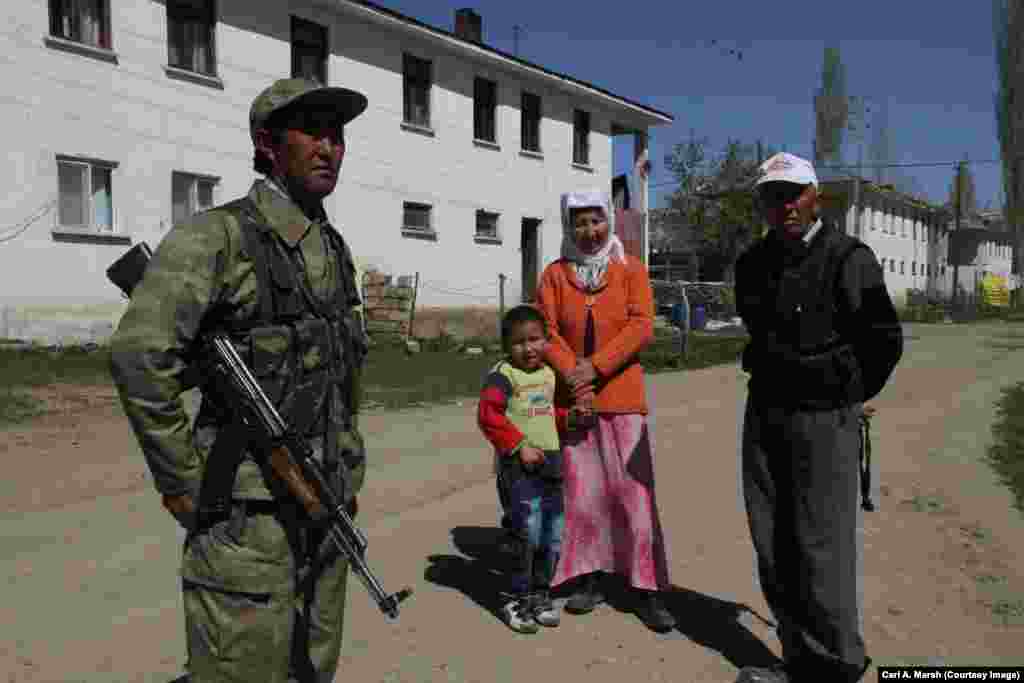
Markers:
point(590, 268)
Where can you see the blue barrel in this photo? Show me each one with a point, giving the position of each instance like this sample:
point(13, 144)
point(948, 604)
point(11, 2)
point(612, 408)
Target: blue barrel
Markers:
point(679, 314)
point(697, 319)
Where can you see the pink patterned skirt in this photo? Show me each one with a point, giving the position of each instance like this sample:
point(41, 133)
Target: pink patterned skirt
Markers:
point(611, 518)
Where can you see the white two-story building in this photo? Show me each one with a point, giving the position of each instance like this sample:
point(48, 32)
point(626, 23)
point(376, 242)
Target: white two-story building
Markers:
point(911, 239)
point(122, 117)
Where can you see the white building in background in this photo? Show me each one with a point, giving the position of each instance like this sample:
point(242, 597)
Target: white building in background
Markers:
point(123, 116)
point(911, 239)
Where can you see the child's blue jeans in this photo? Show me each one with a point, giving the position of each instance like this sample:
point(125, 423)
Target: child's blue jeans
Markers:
point(535, 510)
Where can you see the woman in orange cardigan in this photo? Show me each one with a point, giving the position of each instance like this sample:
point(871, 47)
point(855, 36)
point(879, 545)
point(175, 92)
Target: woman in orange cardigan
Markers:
point(600, 312)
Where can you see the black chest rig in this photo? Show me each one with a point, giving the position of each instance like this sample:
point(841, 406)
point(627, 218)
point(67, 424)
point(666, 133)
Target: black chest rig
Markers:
point(798, 346)
point(303, 350)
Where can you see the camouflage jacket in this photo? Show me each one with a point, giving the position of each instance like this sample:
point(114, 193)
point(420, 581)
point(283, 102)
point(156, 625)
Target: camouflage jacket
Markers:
point(198, 265)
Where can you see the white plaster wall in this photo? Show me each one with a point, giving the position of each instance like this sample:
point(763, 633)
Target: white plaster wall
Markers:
point(898, 236)
point(150, 124)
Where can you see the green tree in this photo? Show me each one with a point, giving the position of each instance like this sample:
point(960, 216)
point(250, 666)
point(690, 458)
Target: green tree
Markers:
point(968, 200)
point(714, 197)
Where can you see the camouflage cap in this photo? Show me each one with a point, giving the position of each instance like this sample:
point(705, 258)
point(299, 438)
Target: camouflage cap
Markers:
point(302, 92)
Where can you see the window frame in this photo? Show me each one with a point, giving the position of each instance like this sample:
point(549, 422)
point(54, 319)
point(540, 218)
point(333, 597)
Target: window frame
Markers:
point(176, 10)
point(297, 45)
point(581, 137)
point(413, 230)
point(483, 236)
point(524, 120)
point(194, 180)
point(411, 80)
point(91, 166)
point(59, 11)
point(485, 113)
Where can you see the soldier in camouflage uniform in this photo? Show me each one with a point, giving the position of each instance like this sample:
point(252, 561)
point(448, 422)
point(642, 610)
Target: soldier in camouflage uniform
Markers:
point(270, 270)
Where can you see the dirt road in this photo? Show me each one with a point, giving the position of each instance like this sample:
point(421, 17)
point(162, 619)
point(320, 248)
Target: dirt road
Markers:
point(91, 559)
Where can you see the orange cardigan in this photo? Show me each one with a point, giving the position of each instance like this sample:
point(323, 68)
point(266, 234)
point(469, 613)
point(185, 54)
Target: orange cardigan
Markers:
point(623, 312)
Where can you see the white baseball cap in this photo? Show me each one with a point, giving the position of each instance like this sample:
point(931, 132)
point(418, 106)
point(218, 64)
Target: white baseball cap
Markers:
point(788, 168)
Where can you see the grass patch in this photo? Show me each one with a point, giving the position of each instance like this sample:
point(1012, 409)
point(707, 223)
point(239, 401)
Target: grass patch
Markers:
point(38, 366)
point(927, 503)
point(1010, 611)
point(16, 406)
point(976, 533)
point(703, 351)
point(1006, 454)
point(989, 579)
point(922, 313)
point(392, 379)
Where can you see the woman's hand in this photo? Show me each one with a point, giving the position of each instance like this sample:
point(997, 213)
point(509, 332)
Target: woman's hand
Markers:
point(583, 373)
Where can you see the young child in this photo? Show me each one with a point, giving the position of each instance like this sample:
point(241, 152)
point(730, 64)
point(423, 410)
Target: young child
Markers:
point(517, 415)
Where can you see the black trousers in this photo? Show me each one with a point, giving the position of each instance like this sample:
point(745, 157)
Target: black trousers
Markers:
point(800, 485)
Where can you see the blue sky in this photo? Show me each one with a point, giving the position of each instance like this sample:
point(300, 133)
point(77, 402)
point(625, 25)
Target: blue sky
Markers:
point(932, 64)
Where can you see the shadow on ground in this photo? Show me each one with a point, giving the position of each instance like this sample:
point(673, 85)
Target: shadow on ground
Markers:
point(481, 573)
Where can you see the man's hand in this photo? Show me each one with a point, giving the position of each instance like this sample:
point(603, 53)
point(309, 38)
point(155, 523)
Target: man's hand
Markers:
point(183, 509)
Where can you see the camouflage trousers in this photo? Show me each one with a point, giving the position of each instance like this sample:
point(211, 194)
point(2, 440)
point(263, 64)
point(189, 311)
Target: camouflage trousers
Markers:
point(259, 606)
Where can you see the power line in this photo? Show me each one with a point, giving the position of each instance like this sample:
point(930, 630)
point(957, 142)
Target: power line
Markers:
point(849, 167)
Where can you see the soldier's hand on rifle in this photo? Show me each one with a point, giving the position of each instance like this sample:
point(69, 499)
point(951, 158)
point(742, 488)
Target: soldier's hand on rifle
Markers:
point(183, 509)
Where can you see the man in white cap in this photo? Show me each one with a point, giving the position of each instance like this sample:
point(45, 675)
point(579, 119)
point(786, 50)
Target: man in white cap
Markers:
point(824, 339)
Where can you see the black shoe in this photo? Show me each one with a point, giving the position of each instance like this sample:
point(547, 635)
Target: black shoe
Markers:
point(760, 674)
point(653, 613)
point(587, 597)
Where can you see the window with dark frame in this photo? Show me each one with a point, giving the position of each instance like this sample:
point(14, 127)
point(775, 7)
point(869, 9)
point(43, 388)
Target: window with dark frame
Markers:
point(487, 225)
point(190, 36)
point(416, 217)
point(581, 137)
point(485, 103)
point(309, 50)
point(81, 21)
point(416, 83)
point(531, 117)
point(84, 191)
point(190, 194)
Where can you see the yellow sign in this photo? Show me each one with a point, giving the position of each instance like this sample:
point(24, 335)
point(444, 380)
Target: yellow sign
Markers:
point(995, 290)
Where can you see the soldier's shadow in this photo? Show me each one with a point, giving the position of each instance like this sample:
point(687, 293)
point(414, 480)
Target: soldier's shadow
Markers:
point(481, 573)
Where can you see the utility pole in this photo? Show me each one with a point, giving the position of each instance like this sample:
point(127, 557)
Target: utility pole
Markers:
point(855, 204)
point(515, 40)
point(956, 228)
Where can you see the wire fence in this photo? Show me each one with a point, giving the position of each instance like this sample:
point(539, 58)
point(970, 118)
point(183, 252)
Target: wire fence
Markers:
point(13, 233)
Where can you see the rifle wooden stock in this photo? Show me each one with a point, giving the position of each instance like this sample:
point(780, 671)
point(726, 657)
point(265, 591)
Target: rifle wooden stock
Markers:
point(291, 475)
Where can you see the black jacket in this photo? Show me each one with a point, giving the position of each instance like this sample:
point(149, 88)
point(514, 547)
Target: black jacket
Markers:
point(824, 332)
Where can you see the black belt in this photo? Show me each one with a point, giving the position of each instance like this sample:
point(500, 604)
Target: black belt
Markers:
point(258, 506)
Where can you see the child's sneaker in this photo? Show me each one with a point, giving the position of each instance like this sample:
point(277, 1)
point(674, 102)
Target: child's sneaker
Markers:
point(545, 612)
point(518, 615)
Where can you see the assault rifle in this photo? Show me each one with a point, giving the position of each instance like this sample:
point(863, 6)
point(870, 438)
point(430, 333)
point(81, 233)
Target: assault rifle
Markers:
point(288, 455)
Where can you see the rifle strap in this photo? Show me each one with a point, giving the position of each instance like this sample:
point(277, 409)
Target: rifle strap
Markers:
point(865, 464)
